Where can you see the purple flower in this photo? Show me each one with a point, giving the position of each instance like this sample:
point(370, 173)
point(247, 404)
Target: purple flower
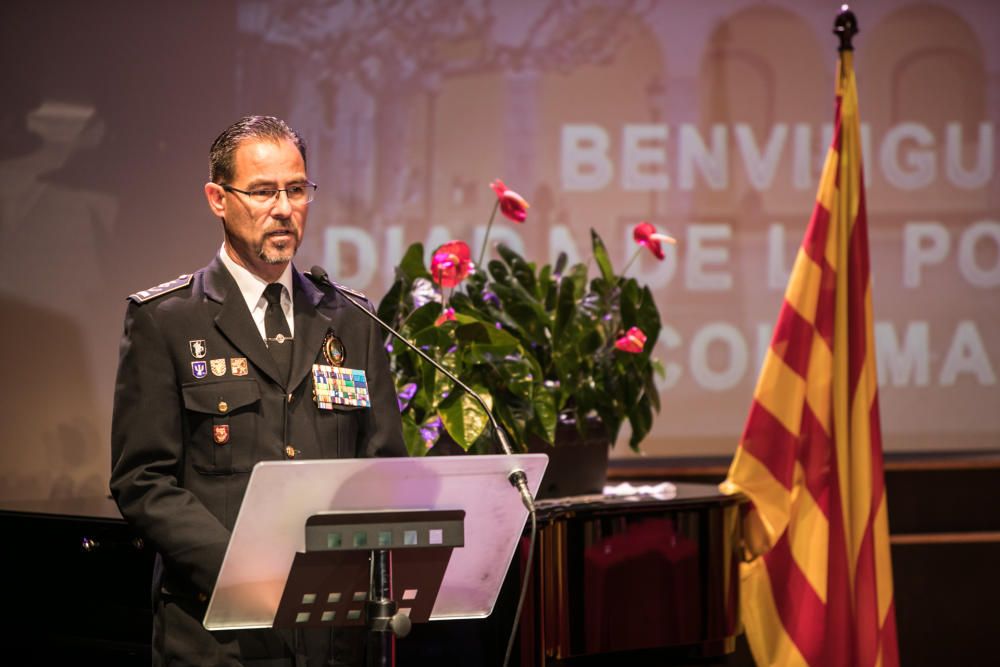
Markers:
point(423, 292)
point(405, 395)
point(491, 298)
point(430, 431)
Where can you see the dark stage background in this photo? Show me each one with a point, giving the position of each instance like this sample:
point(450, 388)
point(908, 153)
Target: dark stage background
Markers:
point(709, 119)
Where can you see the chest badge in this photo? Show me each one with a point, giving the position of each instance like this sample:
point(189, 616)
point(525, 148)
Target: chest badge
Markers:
point(199, 369)
point(333, 350)
point(220, 433)
point(238, 365)
point(218, 367)
point(198, 348)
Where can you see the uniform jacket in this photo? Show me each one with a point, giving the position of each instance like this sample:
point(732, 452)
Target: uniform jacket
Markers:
point(194, 370)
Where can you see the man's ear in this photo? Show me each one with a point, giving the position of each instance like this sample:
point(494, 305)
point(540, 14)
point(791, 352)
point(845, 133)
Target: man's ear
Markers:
point(216, 197)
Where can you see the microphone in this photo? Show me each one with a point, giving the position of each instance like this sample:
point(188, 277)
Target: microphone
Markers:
point(517, 478)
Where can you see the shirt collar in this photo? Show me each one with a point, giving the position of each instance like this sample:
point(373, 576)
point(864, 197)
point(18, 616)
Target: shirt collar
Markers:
point(252, 286)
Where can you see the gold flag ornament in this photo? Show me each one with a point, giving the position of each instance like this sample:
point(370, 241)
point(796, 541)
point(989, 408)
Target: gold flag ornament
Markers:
point(817, 585)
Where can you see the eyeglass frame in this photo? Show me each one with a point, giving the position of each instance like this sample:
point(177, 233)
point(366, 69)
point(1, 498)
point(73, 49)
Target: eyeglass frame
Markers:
point(273, 197)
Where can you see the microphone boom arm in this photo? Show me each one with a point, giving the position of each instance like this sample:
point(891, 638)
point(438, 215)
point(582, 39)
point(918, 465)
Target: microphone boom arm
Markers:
point(517, 478)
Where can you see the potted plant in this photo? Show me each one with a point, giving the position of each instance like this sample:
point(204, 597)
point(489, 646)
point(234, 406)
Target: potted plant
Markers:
point(560, 356)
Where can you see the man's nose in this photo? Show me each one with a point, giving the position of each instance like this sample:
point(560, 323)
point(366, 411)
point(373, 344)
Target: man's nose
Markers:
point(282, 207)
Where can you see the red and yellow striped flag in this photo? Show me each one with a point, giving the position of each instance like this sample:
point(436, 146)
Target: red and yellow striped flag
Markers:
point(818, 590)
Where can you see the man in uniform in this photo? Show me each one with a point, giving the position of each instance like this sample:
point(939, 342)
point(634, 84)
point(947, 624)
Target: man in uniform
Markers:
point(216, 373)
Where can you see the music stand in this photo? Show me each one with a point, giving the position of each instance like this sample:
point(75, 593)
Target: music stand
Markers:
point(285, 500)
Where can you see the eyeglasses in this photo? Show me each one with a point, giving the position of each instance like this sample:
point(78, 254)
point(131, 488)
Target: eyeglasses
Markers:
point(300, 193)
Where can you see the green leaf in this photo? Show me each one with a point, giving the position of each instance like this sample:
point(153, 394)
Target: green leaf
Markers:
point(641, 421)
point(565, 309)
point(412, 264)
point(650, 388)
point(546, 414)
point(521, 375)
point(463, 417)
point(421, 319)
point(491, 353)
point(561, 261)
point(390, 305)
point(647, 314)
point(514, 422)
point(477, 331)
point(601, 257)
point(498, 270)
point(443, 385)
point(526, 313)
point(523, 271)
point(411, 436)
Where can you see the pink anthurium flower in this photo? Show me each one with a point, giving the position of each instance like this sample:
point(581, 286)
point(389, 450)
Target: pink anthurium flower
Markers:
point(512, 205)
point(645, 234)
point(447, 315)
point(633, 341)
point(451, 263)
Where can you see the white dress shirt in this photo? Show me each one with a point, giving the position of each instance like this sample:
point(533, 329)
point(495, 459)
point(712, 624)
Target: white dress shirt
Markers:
point(252, 288)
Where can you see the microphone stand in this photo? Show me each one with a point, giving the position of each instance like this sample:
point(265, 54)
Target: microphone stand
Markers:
point(384, 625)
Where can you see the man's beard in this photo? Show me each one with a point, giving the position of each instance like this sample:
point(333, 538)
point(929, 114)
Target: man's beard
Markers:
point(277, 256)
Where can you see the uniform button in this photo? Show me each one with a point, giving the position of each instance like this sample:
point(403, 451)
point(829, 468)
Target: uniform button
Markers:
point(202, 597)
point(290, 452)
point(290, 396)
point(223, 406)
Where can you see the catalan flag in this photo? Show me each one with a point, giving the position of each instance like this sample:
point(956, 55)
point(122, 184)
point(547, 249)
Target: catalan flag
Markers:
point(816, 589)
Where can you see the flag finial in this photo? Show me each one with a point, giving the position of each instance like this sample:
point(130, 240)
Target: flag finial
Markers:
point(845, 27)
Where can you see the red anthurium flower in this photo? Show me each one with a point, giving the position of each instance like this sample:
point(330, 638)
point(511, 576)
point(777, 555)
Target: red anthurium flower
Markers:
point(498, 187)
point(633, 341)
point(512, 205)
point(447, 315)
point(451, 263)
point(645, 234)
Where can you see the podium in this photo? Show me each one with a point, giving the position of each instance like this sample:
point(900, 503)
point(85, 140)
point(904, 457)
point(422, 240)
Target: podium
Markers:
point(308, 540)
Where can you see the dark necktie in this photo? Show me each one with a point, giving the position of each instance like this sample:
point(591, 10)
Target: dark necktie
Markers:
point(279, 337)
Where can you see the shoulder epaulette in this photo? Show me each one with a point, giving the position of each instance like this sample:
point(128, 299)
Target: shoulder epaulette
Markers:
point(150, 293)
point(322, 281)
point(352, 292)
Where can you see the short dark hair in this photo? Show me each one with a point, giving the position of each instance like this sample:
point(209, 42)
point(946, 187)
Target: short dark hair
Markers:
point(220, 157)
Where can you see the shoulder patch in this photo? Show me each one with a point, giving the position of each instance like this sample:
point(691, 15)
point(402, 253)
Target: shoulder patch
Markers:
point(150, 293)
